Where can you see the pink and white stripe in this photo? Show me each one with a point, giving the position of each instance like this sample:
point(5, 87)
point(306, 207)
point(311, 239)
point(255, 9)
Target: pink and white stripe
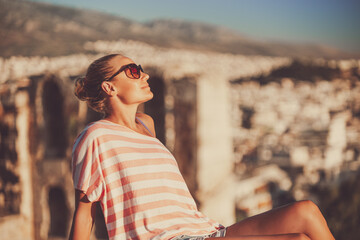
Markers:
point(138, 183)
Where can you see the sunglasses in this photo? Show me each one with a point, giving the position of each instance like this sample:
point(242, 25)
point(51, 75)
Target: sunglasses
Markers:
point(131, 70)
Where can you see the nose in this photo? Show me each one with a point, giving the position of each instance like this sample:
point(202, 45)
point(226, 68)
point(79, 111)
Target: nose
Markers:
point(145, 76)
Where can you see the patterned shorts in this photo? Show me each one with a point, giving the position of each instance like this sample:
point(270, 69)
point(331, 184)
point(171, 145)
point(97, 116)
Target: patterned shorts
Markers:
point(219, 233)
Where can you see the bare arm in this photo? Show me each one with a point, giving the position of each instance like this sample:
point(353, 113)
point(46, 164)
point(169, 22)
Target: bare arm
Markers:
point(84, 216)
point(149, 122)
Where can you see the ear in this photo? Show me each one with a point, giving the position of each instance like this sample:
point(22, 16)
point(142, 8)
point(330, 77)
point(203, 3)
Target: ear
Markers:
point(108, 88)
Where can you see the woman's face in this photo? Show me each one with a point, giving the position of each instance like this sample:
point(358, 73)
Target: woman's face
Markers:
point(129, 90)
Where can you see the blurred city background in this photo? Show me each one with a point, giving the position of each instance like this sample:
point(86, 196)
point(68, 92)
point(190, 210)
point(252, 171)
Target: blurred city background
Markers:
point(258, 101)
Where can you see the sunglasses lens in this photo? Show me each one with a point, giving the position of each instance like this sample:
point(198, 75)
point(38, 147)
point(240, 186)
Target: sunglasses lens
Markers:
point(133, 71)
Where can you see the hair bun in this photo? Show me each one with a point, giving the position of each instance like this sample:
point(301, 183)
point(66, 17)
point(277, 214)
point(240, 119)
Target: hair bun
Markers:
point(88, 87)
point(80, 91)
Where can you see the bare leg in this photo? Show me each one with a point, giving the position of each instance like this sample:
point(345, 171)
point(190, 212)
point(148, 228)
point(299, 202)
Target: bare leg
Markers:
point(292, 236)
point(302, 217)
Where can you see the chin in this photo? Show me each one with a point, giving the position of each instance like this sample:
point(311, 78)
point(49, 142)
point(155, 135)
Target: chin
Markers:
point(149, 97)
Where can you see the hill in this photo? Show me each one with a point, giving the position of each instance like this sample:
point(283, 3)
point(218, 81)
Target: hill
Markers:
point(33, 28)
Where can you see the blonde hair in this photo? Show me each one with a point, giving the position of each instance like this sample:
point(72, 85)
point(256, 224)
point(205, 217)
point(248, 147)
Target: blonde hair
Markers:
point(88, 87)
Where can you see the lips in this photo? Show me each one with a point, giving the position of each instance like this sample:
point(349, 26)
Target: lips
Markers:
point(145, 86)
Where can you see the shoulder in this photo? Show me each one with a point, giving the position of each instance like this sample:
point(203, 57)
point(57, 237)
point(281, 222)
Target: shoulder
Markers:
point(93, 129)
point(144, 117)
point(90, 133)
point(91, 138)
point(147, 120)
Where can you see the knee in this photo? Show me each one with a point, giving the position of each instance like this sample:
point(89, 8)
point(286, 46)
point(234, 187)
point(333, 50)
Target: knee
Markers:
point(306, 210)
point(300, 236)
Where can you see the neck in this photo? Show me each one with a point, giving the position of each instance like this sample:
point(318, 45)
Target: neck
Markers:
point(123, 115)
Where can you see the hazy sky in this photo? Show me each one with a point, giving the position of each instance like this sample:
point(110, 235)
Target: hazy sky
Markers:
point(331, 22)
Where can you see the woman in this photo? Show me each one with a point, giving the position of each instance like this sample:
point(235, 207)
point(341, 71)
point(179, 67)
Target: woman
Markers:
point(118, 162)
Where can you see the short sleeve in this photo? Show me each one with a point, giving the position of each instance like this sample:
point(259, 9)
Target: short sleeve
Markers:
point(86, 168)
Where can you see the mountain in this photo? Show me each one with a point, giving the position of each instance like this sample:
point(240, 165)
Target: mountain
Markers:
point(32, 28)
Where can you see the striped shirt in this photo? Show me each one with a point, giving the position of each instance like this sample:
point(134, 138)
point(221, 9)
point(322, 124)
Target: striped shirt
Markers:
point(137, 182)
